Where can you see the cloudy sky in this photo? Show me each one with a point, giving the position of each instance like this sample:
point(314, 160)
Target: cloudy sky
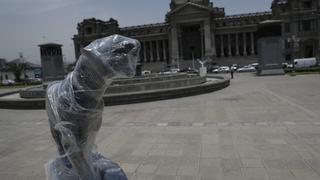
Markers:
point(26, 23)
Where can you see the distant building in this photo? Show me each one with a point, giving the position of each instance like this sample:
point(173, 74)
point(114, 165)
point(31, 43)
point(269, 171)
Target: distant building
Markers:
point(198, 29)
point(2, 63)
point(31, 71)
point(2, 68)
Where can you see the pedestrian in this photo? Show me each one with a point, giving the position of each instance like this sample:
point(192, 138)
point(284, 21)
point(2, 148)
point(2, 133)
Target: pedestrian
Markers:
point(231, 72)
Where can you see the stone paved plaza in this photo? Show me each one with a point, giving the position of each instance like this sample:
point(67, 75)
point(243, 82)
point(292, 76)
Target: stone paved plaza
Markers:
point(260, 128)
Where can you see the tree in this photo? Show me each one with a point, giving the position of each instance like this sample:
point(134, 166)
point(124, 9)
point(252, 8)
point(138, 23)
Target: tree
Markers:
point(17, 69)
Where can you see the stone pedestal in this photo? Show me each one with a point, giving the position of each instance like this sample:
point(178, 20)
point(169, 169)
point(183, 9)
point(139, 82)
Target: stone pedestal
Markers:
point(270, 62)
point(270, 48)
point(52, 62)
point(203, 71)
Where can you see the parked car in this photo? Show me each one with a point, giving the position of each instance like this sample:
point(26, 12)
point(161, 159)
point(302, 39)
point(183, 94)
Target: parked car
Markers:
point(234, 67)
point(189, 70)
point(305, 62)
point(33, 81)
point(174, 70)
point(287, 66)
point(146, 72)
point(171, 71)
point(255, 65)
point(222, 69)
point(8, 82)
point(247, 69)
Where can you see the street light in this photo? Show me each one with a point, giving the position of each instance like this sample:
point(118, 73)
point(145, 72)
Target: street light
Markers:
point(192, 53)
point(294, 43)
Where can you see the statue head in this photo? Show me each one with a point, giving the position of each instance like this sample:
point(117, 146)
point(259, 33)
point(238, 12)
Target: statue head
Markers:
point(114, 56)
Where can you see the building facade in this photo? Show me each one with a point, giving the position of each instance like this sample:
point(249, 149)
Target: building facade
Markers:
point(196, 29)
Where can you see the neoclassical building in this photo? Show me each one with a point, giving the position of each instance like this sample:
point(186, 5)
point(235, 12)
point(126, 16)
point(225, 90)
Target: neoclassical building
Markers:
point(195, 29)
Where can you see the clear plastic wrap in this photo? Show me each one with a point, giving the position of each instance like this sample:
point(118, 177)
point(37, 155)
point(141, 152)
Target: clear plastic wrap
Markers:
point(75, 106)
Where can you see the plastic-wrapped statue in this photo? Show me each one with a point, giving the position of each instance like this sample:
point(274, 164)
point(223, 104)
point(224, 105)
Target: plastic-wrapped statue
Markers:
point(75, 106)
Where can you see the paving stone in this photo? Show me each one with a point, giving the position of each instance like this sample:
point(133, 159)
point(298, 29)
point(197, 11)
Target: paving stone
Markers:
point(166, 170)
point(274, 163)
point(141, 176)
point(280, 174)
point(210, 172)
point(188, 170)
point(303, 174)
point(254, 173)
point(163, 177)
point(129, 168)
point(271, 133)
point(251, 163)
point(148, 168)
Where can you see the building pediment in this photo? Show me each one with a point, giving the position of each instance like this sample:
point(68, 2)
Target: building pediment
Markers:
point(189, 7)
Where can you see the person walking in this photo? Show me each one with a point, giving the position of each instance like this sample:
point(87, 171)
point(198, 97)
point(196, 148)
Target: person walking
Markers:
point(231, 72)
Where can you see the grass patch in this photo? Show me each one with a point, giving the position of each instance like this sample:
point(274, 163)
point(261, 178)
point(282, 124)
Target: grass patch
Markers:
point(304, 71)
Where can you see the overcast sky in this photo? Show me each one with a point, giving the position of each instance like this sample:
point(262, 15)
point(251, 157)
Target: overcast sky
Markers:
point(26, 23)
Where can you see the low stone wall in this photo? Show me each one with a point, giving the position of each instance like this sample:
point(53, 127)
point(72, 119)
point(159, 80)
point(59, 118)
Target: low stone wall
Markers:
point(33, 93)
point(133, 85)
point(150, 78)
point(166, 93)
point(22, 104)
point(8, 93)
point(156, 85)
point(129, 98)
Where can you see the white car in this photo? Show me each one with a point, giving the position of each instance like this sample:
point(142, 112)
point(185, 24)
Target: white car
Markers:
point(287, 65)
point(8, 82)
point(305, 62)
point(234, 67)
point(247, 69)
point(146, 72)
point(222, 69)
point(175, 70)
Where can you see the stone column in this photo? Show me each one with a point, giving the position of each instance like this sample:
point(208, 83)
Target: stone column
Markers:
point(237, 44)
point(202, 46)
point(145, 51)
point(222, 45)
point(151, 51)
point(158, 50)
point(180, 46)
point(252, 44)
point(207, 38)
point(244, 44)
point(318, 33)
point(213, 43)
point(164, 50)
point(229, 45)
point(174, 43)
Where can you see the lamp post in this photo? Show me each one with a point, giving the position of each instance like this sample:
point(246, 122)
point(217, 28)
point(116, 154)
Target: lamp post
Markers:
point(294, 43)
point(192, 53)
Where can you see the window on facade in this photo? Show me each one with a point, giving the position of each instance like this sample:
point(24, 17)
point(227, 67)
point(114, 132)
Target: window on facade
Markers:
point(307, 5)
point(287, 27)
point(306, 25)
point(89, 30)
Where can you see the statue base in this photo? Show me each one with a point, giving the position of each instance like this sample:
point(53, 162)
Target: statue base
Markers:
point(58, 169)
point(203, 72)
